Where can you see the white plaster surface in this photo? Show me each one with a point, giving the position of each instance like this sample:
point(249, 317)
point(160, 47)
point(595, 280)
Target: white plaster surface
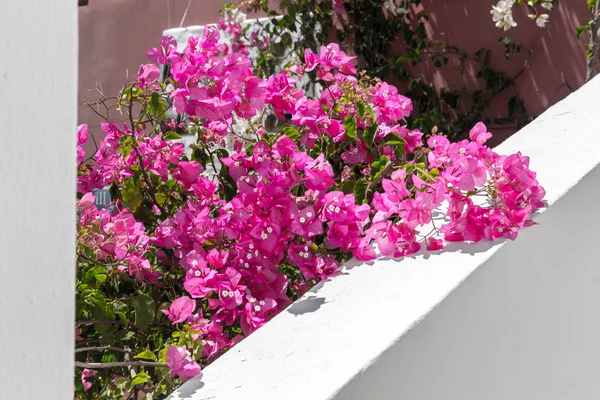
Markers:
point(38, 91)
point(501, 320)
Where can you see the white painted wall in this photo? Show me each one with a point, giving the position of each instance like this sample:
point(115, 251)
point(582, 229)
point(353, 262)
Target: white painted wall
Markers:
point(512, 320)
point(38, 89)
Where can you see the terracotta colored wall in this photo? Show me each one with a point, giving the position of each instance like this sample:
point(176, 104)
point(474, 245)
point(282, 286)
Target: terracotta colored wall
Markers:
point(115, 34)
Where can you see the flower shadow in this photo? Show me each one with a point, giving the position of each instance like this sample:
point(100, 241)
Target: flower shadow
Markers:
point(454, 247)
point(306, 305)
point(189, 388)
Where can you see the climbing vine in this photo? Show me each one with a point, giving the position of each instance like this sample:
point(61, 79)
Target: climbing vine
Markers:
point(390, 40)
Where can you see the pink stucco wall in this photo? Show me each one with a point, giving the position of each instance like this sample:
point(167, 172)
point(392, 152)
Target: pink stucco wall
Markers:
point(551, 55)
point(115, 34)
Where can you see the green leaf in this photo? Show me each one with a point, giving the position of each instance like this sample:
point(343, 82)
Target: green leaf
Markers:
point(140, 378)
point(136, 91)
point(378, 166)
point(109, 356)
point(125, 335)
point(157, 106)
point(120, 381)
point(92, 274)
point(369, 135)
point(130, 93)
point(360, 191)
point(197, 353)
point(361, 109)
point(146, 355)
point(121, 309)
point(291, 132)
point(162, 355)
point(144, 310)
point(348, 186)
point(199, 155)
point(153, 103)
point(107, 339)
point(132, 194)
point(375, 167)
point(222, 153)
point(579, 31)
point(171, 182)
point(161, 198)
point(101, 312)
point(350, 126)
point(171, 136)
point(394, 140)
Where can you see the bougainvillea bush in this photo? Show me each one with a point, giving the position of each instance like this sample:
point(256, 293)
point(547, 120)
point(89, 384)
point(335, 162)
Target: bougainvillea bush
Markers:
point(202, 246)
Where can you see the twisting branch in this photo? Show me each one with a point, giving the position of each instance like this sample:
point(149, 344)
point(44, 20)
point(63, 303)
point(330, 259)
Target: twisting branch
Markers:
point(101, 348)
point(105, 322)
point(119, 364)
point(150, 188)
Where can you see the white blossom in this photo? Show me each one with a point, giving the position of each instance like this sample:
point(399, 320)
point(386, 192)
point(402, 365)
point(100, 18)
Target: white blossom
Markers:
point(547, 5)
point(541, 20)
point(502, 14)
point(235, 15)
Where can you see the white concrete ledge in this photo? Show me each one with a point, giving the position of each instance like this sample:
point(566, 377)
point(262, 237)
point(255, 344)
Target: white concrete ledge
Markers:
point(501, 320)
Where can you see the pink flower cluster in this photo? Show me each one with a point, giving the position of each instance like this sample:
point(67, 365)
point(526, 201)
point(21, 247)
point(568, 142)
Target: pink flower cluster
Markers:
point(469, 171)
point(115, 236)
point(291, 219)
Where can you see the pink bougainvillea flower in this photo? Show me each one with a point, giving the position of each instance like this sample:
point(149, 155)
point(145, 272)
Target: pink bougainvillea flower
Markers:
point(82, 137)
point(147, 75)
point(311, 60)
point(187, 173)
point(86, 203)
point(318, 174)
point(305, 222)
point(179, 359)
point(479, 133)
point(181, 308)
point(85, 374)
point(161, 54)
point(434, 244)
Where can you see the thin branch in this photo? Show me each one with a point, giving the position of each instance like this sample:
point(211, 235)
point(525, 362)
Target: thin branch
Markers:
point(119, 364)
point(93, 322)
point(565, 82)
point(90, 106)
point(101, 348)
point(150, 188)
point(102, 263)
